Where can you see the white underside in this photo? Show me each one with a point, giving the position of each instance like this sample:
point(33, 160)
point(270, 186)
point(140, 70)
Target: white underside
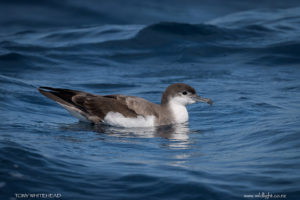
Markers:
point(117, 119)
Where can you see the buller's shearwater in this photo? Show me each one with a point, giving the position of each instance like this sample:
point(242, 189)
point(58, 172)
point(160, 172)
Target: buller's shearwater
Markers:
point(127, 111)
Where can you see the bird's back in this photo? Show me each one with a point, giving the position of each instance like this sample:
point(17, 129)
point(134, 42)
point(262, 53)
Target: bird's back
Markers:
point(113, 109)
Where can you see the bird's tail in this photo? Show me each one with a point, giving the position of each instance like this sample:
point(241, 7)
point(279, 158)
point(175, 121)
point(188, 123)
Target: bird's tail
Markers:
point(64, 97)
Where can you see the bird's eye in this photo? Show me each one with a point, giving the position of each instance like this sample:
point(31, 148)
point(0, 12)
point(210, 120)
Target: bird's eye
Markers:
point(184, 93)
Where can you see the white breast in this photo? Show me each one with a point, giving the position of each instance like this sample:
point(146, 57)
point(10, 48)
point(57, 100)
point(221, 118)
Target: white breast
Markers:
point(117, 119)
point(179, 111)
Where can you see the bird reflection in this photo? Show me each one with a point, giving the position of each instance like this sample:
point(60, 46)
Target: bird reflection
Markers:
point(177, 134)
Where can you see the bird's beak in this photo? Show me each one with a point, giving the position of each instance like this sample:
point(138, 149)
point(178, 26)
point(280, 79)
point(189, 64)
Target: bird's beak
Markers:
point(201, 99)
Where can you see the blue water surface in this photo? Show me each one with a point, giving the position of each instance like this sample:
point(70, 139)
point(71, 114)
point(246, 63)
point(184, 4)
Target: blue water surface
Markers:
point(247, 143)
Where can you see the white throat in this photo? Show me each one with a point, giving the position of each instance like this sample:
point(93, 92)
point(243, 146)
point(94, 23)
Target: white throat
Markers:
point(179, 111)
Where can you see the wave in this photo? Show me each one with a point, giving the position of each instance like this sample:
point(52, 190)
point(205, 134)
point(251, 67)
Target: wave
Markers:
point(268, 41)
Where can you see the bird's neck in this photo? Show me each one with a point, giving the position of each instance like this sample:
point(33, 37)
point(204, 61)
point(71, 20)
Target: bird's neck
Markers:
point(179, 111)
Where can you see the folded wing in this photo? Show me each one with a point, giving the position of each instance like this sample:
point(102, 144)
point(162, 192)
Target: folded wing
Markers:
point(89, 107)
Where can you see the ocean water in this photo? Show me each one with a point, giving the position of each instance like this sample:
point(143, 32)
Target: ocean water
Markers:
point(247, 143)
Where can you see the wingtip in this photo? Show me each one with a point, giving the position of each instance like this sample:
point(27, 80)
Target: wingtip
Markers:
point(45, 88)
point(48, 92)
point(41, 89)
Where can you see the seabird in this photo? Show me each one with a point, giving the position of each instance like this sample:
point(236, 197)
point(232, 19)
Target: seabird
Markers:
point(127, 111)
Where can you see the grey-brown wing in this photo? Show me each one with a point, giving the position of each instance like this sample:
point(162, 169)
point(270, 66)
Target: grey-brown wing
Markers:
point(139, 105)
point(99, 106)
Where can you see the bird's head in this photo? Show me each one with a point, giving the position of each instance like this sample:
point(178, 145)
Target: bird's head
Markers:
point(182, 94)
